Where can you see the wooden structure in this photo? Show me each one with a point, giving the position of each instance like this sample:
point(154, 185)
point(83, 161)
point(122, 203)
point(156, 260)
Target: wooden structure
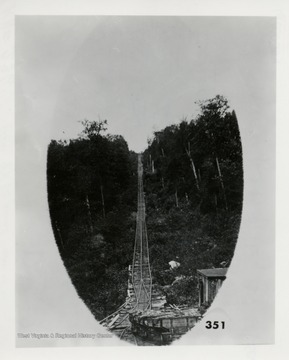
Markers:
point(163, 326)
point(143, 317)
point(210, 281)
point(141, 273)
point(141, 295)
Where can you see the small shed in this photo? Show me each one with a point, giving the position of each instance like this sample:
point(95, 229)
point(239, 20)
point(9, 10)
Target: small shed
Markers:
point(210, 281)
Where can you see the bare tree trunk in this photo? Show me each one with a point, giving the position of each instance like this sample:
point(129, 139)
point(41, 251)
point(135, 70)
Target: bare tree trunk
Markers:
point(163, 153)
point(163, 183)
point(199, 173)
point(89, 214)
point(188, 151)
point(153, 166)
point(102, 201)
point(177, 200)
point(222, 183)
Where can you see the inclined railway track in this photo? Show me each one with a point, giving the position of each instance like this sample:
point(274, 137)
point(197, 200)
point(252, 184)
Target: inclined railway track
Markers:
point(141, 279)
point(140, 296)
point(141, 273)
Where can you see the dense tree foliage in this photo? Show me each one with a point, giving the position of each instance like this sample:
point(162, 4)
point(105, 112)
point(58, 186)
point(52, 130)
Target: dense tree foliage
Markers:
point(92, 192)
point(194, 193)
point(193, 181)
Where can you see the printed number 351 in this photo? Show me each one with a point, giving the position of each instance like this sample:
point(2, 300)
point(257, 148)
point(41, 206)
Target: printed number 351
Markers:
point(215, 325)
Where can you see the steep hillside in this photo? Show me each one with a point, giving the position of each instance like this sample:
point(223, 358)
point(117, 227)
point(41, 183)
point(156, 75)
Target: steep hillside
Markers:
point(194, 194)
point(92, 193)
point(193, 181)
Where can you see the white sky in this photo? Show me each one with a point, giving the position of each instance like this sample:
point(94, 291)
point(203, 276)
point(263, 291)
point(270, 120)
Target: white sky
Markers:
point(139, 73)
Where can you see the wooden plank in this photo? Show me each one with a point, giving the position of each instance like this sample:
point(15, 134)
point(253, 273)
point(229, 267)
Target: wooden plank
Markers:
point(113, 321)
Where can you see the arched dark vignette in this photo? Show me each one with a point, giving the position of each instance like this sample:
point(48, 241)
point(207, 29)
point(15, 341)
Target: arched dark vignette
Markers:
point(192, 178)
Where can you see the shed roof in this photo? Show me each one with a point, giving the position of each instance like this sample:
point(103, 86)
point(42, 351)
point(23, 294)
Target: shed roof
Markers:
point(218, 272)
point(170, 313)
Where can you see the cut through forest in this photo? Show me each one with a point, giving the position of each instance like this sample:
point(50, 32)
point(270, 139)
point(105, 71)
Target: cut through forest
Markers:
point(193, 184)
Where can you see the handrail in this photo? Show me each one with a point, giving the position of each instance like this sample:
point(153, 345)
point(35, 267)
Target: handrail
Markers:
point(115, 313)
point(141, 251)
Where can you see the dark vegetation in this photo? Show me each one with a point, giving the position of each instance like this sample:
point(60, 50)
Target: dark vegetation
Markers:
point(194, 193)
point(92, 192)
point(194, 186)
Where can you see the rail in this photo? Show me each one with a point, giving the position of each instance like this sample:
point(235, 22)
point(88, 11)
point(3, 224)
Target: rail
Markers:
point(141, 278)
point(141, 272)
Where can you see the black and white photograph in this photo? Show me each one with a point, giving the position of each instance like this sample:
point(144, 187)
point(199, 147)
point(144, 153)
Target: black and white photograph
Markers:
point(145, 180)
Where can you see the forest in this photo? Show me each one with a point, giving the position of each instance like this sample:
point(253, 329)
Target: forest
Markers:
point(193, 183)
